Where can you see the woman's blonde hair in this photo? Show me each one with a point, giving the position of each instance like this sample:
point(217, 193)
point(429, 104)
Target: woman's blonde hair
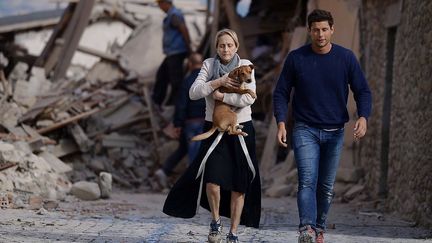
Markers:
point(227, 32)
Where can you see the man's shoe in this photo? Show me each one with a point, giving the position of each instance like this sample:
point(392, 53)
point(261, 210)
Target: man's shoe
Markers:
point(320, 237)
point(307, 235)
point(215, 234)
point(161, 178)
point(231, 238)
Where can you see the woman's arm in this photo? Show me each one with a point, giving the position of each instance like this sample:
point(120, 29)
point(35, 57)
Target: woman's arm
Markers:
point(201, 88)
point(240, 100)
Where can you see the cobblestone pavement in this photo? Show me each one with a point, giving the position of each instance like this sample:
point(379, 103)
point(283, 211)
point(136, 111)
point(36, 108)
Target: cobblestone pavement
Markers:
point(138, 218)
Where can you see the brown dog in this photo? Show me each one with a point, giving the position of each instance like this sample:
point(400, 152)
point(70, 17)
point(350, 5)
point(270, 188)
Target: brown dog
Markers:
point(224, 118)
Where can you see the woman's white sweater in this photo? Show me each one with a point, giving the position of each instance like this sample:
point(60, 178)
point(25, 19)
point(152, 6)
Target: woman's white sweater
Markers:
point(202, 88)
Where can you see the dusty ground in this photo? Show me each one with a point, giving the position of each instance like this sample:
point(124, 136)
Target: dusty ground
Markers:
point(137, 217)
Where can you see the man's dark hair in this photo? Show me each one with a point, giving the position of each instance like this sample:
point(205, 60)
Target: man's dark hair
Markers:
point(319, 15)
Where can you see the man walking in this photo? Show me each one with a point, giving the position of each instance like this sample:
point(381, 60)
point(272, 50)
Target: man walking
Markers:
point(321, 74)
point(176, 47)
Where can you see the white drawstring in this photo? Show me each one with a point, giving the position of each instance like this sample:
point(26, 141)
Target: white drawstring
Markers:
point(209, 151)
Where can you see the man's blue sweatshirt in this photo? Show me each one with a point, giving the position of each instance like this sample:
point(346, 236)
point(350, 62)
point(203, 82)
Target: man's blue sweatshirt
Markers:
point(321, 83)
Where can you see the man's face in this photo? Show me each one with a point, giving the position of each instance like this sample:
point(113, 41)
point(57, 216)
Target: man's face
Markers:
point(163, 6)
point(320, 33)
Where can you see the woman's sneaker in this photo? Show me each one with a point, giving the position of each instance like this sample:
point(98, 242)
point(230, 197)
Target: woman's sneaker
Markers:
point(215, 234)
point(231, 238)
point(307, 235)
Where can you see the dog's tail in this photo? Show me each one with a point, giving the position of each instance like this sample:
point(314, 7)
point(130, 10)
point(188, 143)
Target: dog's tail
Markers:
point(204, 135)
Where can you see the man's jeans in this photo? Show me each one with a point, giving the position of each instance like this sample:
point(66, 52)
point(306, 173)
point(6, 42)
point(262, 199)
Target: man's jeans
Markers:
point(191, 129)
point(317, 153)
point(186, 146)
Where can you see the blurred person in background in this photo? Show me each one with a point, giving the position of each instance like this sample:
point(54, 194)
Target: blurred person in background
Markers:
point(188, 121)
point(176, 47)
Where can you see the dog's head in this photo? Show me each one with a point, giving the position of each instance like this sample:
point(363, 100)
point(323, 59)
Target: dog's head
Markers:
point(242, 74)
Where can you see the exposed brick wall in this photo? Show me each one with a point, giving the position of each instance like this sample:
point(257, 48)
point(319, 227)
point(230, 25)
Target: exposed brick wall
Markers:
point(410, 152)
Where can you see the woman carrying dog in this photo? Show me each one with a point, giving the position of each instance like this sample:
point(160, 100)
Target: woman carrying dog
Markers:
point(224, 177)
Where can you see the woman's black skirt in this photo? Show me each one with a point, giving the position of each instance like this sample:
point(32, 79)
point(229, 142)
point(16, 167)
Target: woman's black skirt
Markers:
point(227, 167)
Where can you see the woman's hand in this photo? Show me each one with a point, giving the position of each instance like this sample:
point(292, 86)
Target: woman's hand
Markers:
point(224, 81)
point(218, 95)
point(229, 82)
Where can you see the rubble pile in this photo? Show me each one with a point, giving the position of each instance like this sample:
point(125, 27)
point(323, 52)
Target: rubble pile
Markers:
point(92, 125)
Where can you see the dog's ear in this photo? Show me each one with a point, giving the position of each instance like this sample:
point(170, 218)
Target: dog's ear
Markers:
point(251, 66)
point(233, 73)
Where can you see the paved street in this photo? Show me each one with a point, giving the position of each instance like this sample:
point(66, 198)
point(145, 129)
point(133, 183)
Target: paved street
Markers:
point(138, 218)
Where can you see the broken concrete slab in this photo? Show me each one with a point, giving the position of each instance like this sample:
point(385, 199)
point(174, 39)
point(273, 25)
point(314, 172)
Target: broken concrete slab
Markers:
point(10, 113)
point(63, 148)
point(117, 140)
point(81, 139)
point(56, 164)
point(23, 146)
point(21, 94)
point(142, 53)
point(105, 184)
point(86, 190)
point(104, 72)
point(8, 153)
point(124, 112)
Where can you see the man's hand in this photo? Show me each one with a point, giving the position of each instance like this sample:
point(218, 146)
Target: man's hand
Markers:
point(281, 135)
point(171, 131)
point(360, 128)
point(177, 131)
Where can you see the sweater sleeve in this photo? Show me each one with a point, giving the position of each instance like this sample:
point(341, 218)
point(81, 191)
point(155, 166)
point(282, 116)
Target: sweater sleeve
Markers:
point(240, 100)
point(282, 91)
point(360, 88)
point(201, 88)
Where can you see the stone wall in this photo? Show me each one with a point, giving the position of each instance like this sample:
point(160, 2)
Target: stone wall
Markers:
point(410, 156)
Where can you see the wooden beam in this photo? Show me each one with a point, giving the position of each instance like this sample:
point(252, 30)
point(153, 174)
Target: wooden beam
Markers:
point(58, 31)
point(153, 122)
point(235, 25)
point(215, 27)
point(7, 165)
point(73, 35)
point(67, 121)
